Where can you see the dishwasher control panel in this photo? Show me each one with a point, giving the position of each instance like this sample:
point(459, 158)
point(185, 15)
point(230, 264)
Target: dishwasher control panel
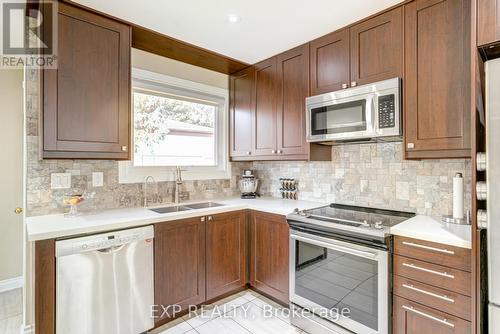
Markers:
point(103, 241)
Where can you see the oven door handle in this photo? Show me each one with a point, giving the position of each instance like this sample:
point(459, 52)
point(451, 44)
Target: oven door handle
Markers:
point(334, 246)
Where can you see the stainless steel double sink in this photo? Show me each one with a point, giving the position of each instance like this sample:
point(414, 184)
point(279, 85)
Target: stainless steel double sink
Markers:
point(186, 207)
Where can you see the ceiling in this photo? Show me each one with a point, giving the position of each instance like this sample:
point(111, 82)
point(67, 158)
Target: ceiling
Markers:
point(267, 27)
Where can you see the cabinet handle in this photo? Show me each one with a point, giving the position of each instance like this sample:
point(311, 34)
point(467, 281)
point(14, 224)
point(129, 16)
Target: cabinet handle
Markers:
point(209, 218)
point(354, 83)
point(124, 148)
point(432, 294)
point(434, 249)
point(202, 219)
point(410, 145)
point(430, 271)
point(428, 316)
point(344, 86)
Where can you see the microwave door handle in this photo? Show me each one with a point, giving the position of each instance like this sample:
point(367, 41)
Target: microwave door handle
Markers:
point(336, 247)
point(370, 112)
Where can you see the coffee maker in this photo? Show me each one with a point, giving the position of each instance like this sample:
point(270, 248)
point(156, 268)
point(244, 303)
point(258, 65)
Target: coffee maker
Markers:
point(248, 185)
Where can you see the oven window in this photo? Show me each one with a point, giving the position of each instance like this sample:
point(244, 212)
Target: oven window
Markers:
point(337, 280)
point(339, 118)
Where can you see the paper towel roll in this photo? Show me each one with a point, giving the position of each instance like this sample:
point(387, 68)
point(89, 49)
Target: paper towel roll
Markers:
point(458, 196)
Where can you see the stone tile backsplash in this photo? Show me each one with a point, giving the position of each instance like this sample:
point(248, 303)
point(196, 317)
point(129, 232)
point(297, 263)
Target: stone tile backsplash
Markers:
point(367, 174)
point(371, 175)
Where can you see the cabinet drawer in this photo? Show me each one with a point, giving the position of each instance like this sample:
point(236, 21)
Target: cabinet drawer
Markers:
point(413, 318)
point(445, 277)
point(454, 303)
point(445, 255)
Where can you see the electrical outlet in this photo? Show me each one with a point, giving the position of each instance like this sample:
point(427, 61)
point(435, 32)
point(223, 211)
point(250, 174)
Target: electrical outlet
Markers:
point(97, 179)
point(60, 180)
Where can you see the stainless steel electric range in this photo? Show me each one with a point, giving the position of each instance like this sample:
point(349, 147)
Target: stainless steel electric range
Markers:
point(339, 268)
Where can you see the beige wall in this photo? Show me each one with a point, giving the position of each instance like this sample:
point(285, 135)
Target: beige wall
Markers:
point(151, 62)
point(11, 173)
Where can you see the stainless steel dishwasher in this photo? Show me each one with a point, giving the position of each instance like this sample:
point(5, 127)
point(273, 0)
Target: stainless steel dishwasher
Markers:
point(104, 283)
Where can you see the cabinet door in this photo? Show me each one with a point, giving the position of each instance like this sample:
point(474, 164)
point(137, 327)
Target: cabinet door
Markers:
point(413, 318)
point(179, 263)
point(488, 24)
point(269, 249)
point(86, 100)
point(377, 48)
point(264, 122)
point(226, 253)
point(241, 112)
point(330, 62)
point(437, 79)
point(293, 83)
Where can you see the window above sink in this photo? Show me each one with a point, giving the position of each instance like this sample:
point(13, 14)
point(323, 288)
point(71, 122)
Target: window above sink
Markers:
point(176, 122)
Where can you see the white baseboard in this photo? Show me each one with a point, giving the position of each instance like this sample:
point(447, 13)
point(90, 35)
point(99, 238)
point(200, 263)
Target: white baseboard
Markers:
point(27, 329)
point(11, 284)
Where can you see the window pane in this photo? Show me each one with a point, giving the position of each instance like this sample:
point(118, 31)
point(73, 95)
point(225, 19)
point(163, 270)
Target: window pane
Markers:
point(173, 132)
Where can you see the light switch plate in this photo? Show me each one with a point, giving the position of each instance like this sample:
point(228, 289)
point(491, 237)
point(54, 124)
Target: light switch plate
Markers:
point(60, 180)
point(97, 179)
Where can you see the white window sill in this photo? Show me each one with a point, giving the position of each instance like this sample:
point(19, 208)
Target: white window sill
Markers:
point(127, 173)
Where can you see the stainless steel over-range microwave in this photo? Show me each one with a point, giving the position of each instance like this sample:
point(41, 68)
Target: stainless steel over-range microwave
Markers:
point(362, 113)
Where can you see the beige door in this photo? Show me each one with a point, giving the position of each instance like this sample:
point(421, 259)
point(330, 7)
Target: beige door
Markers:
point(11, 174)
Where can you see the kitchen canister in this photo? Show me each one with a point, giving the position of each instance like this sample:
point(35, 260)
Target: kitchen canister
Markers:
point(481, 191)
point(482, 219)
point(481, 161)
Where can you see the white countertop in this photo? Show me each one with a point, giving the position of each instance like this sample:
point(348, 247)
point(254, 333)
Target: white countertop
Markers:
point(431, 229)
point(57, 226)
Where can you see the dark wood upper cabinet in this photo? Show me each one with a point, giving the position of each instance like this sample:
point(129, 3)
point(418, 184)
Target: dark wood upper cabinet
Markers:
point(265, 99)
point(437, 79)
point(241, 112)
point(488, 22)
point(269, 251)
point(330, 62)
point(225, 253)
point(277, 130)
point(86, 100)
point(293, 88)
point(179, 263)
point(377, 48)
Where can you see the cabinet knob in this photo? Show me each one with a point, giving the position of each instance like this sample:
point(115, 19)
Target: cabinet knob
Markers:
point(18, 211)
point(124, 148)
point(410, 145)
point(248, 152)
point(279, 151)
point(209, 218)
point(344, 86)
point(202, 219)
point(273, 151)
point(354, 83)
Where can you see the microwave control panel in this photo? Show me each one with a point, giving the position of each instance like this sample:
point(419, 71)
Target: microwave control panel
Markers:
point(386, 111)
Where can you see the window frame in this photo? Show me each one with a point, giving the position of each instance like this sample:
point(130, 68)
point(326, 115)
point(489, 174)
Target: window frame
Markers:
point(161, 83)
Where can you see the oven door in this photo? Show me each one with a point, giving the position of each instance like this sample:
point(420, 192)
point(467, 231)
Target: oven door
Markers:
point(340, 278)
point(348, 118)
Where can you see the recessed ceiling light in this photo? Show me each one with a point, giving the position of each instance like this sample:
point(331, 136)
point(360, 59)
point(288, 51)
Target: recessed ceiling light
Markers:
point(233, 18)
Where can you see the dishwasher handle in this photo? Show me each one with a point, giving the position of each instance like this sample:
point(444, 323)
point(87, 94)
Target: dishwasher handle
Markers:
point(109, 242)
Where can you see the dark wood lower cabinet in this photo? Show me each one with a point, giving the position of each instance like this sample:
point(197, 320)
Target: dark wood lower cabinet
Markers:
point(413, 318)
point(45, 286)
point(269, 249)
point(225, 253)
point(179, 264)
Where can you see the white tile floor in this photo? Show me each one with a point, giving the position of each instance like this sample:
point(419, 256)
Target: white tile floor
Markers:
point(243, 313)
point(11, 309)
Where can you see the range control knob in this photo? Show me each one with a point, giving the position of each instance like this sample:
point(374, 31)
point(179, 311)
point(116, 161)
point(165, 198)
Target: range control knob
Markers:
point(378, 225)
point(296, 210)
